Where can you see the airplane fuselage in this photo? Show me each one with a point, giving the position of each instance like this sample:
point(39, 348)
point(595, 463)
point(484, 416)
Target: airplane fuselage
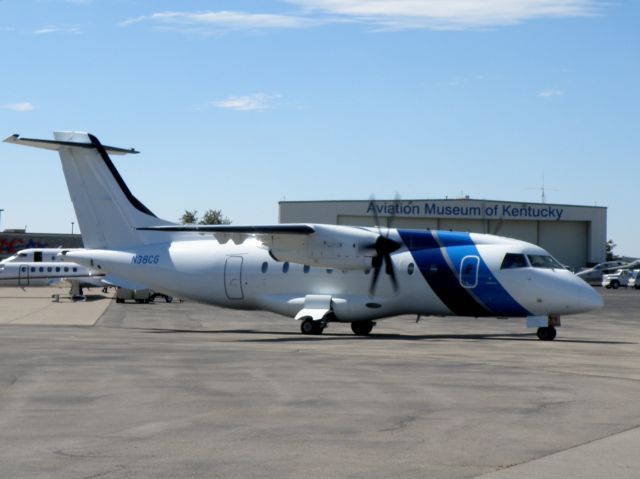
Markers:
point(438, 273)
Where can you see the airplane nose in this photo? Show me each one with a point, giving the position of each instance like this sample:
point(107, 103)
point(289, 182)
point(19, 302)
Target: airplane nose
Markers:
point(590, 299)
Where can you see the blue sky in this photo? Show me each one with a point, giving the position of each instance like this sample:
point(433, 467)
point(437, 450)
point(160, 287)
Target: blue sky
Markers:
point(239, 104)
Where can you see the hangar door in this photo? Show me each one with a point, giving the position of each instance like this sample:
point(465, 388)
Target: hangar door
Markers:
point(566, 240)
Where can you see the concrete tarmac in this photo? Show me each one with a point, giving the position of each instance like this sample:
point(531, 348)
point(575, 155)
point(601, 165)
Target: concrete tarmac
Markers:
point(187, 390)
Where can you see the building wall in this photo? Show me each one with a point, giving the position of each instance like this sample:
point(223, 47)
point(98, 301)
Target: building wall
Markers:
point(10, 243)
point(576, 235)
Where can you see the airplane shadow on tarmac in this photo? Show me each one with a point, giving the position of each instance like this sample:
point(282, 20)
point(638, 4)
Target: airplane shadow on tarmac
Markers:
point(292, 336)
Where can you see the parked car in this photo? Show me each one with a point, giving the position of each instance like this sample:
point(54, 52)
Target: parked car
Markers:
point(617, 279)
point(634, 281)
point(594, 275)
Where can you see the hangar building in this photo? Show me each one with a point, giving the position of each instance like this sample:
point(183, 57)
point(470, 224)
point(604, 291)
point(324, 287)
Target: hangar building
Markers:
point(575, 235)
point(12, 241)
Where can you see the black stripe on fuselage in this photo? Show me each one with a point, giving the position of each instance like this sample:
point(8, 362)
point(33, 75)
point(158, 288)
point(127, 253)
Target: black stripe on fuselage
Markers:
point(429, 254)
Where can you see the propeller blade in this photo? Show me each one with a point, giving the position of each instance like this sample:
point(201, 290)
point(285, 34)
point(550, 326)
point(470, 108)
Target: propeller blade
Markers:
point(391, 271)
point(377, 264)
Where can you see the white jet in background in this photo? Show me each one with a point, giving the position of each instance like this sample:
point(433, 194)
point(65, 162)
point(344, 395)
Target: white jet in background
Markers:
point(314, 273)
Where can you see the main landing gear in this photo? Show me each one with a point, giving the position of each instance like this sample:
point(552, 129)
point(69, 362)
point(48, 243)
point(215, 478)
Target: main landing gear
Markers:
point(547, 334)
point(359, 328)
point(309, 326)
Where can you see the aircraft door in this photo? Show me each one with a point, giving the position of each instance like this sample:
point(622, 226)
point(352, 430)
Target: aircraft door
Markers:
point(469, 271)
point(233, 277)
point(23, 276)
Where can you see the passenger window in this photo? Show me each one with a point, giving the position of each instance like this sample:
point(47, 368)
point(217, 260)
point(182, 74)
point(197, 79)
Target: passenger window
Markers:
point(410, 268)
point(33, 269)
point(57, 269)
point(23, 269)
point(306, 268)
point(75, 270)
point(329, 271)
point(49, 269)
point(66, 269)
point(41, 269)
point(513, 260)
point(285, 267)
point(265, 267)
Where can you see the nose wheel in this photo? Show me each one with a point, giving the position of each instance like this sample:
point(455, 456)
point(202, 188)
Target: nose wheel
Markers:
point(547, 334)
point(362, 328)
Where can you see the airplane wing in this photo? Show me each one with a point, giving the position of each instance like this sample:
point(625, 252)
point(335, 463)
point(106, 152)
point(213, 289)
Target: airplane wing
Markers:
point(329, 246)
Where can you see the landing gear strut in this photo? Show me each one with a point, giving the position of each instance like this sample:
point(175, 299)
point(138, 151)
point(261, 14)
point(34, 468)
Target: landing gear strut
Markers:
point(309, 326)
point(362, 328)
point(547, 334)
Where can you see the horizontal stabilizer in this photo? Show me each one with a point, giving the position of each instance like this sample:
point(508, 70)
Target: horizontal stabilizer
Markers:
point(56, 145)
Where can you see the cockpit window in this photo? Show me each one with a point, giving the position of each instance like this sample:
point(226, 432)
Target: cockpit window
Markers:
point(513, 260)
point(543, 261)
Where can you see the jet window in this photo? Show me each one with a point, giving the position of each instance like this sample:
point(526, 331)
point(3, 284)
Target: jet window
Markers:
point(543, 261)
point(265, 267)
point(57, 269)
point(513, 260)
point(66, 269)
point(306, 268)
point(75, 270)
point(329, 271)
point(285, 267)
point(23, 269)
point(41, 269)
point(33, 269)
point(49, 269)
point(410, 268)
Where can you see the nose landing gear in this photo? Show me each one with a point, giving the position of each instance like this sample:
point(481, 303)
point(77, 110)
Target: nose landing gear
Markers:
point(547, 334)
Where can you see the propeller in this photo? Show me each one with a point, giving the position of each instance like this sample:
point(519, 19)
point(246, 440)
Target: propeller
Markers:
point(383, 247)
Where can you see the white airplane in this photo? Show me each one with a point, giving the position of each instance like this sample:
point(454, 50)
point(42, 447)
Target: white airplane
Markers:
point(46, 273)
point(315, 273)
point(36, 255)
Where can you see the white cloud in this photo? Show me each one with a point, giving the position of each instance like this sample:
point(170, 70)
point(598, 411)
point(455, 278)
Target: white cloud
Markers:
point(550, 93)
point(53, 29)
point(224, 20)
point(255, 101)
point(448, 14)
point(22, 106)
point(379, 14)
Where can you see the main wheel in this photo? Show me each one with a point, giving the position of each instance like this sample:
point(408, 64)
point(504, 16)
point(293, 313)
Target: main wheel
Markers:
point(309, 326)
point(362, 328)
point(615, 284)
point(547, 334)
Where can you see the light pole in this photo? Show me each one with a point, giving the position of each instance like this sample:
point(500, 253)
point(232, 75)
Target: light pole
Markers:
point(72, 223)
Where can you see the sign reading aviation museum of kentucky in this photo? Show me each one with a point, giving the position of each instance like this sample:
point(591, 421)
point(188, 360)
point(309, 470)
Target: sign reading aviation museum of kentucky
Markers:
point(466, 209)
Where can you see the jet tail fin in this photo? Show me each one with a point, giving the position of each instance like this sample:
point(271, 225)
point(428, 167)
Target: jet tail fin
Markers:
point(107, 212)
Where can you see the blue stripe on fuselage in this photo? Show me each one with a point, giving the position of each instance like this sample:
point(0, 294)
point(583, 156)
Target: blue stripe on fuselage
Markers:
point(439, 255)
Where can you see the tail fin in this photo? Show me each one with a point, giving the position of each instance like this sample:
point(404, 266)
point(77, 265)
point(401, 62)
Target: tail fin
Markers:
point(107, 212)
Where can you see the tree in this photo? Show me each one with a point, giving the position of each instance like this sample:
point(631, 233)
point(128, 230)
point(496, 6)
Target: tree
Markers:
point(609, 249)
point(189, 217)
point(210, 217)
point(214, 217)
